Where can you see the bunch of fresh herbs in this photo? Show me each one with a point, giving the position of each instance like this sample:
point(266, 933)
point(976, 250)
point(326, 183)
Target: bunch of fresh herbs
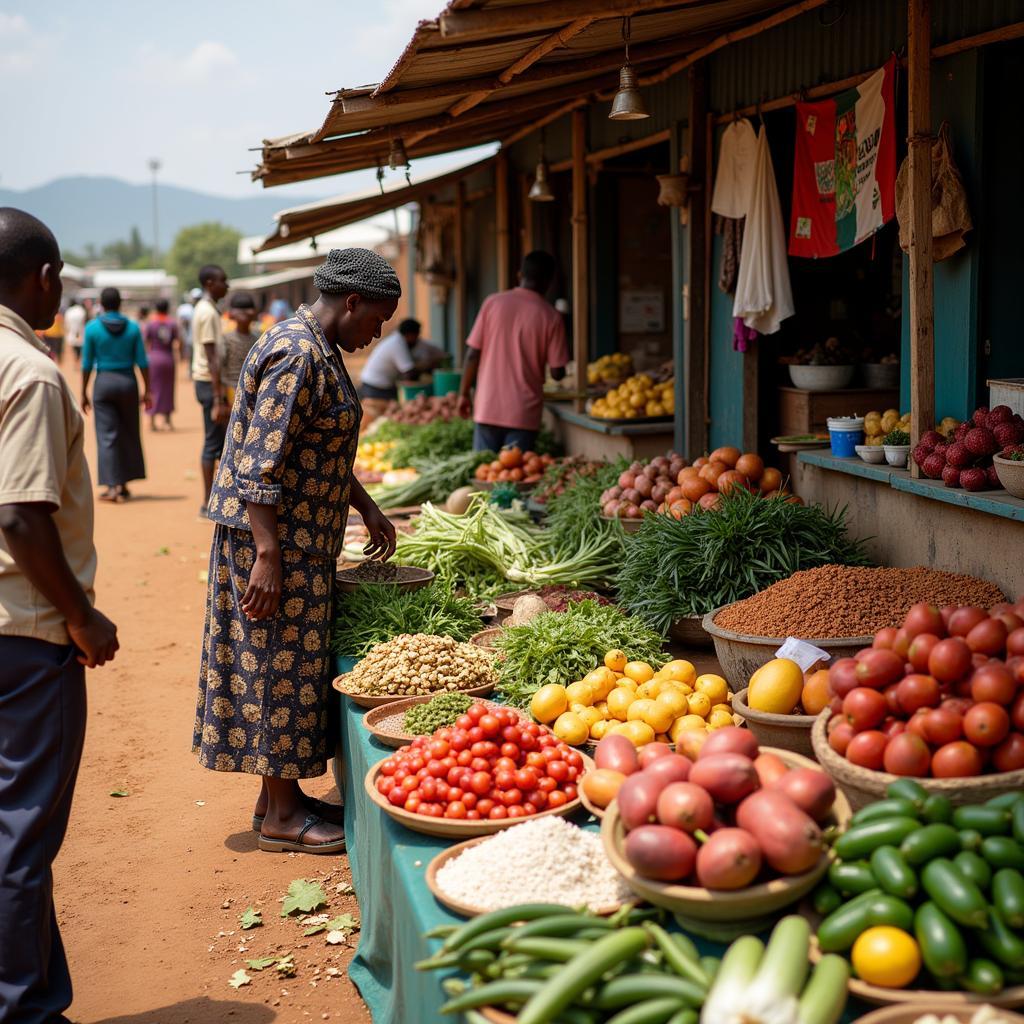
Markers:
point(561, 647)
point(433, 442)
point(437, 479)
point(679, 567)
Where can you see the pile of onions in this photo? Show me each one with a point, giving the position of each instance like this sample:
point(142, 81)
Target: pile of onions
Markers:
point(642, 488)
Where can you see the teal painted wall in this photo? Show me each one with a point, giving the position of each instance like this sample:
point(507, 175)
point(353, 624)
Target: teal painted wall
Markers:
point(726, 383)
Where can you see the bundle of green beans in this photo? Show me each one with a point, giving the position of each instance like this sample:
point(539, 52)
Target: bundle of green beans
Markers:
point(437, 478)
point(554, 964)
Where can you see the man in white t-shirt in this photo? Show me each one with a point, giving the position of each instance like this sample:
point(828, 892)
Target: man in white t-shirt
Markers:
point(402, 355)
point(207, 354)
point(74, 328)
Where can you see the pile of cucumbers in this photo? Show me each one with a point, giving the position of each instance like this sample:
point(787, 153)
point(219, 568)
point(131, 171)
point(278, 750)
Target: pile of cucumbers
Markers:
point(552, 964)
point(951, 877)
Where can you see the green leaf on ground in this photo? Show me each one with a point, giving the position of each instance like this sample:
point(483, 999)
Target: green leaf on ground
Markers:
point(344, 922)
point(261, 963)
point(316, 929)
point(238, 979)
point(250, 919)
point(163, 550)
point(119, 792)
point(286, 966)
point(303, 895)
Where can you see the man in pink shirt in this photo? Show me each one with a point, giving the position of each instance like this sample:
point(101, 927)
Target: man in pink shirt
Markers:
point(516, 337)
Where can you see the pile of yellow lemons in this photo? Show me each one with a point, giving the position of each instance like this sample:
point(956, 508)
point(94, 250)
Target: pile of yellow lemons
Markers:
point(632, 698)
point(611, 367)
point(371, 456)
point(636, 397)
point(878, 424)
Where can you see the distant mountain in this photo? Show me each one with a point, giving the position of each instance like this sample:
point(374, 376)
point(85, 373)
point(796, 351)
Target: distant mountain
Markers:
point(99, 210)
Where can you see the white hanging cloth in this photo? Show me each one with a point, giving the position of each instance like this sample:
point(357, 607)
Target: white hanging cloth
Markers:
point(734, 181)
point(763, 294)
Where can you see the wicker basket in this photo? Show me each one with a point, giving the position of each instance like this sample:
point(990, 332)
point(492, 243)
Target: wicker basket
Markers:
point(486, 637)
point(790, 732)
point(863, 786)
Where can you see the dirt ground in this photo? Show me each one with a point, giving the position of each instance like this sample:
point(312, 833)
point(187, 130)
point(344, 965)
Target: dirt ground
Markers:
point(150, 886)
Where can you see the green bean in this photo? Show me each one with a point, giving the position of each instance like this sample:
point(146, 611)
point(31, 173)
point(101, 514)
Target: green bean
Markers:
point(500, 919)
point(651, 1011)
point(681, 962)
point(566, 924)
point(496, 993)
point(548, 949)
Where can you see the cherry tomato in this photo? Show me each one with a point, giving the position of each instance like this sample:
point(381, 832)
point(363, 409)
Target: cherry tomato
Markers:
point(526, 779)
point(400, 773)
point(464, 722)
point(955, 760)
point(547, 784)
point(433, 810)
point(480, 764)
point(551, 754)
point(557, 799)
point(535, 759)
point(510, 750)
point(485, 806)
point(517, 811)
point(449, 761)
point(442, 789)
point(480, 783)
point(412, 803)
point(532, 728)
point(475, 735)
point(1009, 755)
point(574, 773)
point(527, 741)
point(469, 799)
point(575, 759)
point(505, 779)
point(986, 724)
point(476, 712)
point(547, 740)
point(472, 815)
point(416, 763)
point(436, 769)
point(558, 770)
point(428, 789)
point(397, 796)
point(511, 797)
point(867, 749)
point(510, 734)
point(385, 785)
point(539, 799)
point(491, 725)
point(464, 758)
point(453, 776)
point(455, 795)
point(496, 813)
point(505, 764)
point(439, 748)
point(529, 808)
point(388, 767)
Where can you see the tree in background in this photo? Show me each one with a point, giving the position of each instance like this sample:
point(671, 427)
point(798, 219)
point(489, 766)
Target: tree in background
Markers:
point(132, 254)
point(210, 242)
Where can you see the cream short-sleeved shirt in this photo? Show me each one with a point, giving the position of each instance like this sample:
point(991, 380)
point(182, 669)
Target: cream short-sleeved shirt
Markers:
point(41, 460)
point(206, 330)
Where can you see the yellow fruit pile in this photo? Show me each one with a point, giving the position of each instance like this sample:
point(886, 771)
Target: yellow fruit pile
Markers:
point(371, 456)
point(609, 368)
point(633, 699)
point(636, 397)
point(878, 424)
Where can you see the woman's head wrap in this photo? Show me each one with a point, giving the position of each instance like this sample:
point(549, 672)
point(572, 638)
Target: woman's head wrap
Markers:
point(357, 270)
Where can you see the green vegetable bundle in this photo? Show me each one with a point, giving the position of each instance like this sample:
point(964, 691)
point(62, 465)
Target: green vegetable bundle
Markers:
point(440, 711)
point(374, 615)
point(433, 442)
point(678, 567)
point(561, 647)
point(436, 480)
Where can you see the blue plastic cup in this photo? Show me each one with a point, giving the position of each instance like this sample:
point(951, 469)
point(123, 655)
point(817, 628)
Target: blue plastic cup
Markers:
point(846, 432)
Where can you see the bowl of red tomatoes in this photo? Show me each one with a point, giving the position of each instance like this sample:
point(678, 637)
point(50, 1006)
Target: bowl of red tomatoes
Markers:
point(492, 768)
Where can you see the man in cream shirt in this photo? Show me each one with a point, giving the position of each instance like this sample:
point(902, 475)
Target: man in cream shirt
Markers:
point(207, 356)
point(49, 630)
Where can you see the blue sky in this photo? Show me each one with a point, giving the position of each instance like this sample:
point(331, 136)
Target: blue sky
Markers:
point(99, 87)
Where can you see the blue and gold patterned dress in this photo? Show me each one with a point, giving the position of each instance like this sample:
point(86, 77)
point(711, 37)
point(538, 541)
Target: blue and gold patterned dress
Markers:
point(291, 442)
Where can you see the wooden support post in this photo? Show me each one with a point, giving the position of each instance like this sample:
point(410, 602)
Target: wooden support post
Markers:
point(460, 270)
point(691, 373)
point(526, 208)
point(919, 144)
point(580, 255)
point(501, 219)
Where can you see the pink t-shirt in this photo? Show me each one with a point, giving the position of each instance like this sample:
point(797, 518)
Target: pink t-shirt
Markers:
point(518, 334)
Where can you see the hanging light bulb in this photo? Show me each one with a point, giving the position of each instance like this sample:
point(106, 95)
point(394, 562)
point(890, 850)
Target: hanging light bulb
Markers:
point(628, 104)
point(397, 157)
point(540, 190)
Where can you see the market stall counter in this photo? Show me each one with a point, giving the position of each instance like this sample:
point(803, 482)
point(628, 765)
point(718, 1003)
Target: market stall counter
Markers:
point(608, 439)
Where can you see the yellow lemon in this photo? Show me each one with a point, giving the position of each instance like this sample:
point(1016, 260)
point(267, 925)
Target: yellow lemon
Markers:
point(674, 701)
point(619, 701)
point(591, 716)
point(688, 722)
point(681, 670)
point(601, 681)
point(577, 708)
point(602, 707)
point(615, 660)
point(580, 693)
point(639, 671)
point(886, 956)
point(571, 728)
point(548, 703)
point(647, 689)
point(722, 707)
point(599, 730)
point(639, 732)
point(629, 684)
point(699, 704)
point(638, 708)
point(657, 716)
point(715, 687)
point(776, 687)
point(718, 719)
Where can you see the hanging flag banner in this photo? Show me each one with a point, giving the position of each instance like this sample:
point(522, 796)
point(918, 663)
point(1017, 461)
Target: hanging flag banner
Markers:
point(844, 174)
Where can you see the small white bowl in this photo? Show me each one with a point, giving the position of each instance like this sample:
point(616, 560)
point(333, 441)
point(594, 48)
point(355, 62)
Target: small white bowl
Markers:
point(897, 454)
point(872, 453)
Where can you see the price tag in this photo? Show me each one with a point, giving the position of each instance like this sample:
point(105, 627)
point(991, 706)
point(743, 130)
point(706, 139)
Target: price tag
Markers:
point(804, 654)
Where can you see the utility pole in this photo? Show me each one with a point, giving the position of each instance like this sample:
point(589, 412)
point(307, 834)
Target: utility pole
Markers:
point(154, 167)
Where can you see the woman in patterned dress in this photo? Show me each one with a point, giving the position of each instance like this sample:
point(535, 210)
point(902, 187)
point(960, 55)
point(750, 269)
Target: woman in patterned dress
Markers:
point(280, 503)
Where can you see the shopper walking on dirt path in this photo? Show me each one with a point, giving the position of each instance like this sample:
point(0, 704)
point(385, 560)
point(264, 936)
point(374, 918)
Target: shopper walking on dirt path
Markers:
point(517, 335)
point(207, 357)
point(280, 504)
point(49, 630)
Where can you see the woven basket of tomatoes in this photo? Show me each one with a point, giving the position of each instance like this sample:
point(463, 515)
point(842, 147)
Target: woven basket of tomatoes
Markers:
point(515, 466)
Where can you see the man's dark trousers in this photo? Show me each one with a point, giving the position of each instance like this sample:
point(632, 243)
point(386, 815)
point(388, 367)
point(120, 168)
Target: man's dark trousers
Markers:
point(42, 728)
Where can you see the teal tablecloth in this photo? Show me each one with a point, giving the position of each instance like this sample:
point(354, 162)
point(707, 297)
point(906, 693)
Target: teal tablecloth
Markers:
point(395, 906)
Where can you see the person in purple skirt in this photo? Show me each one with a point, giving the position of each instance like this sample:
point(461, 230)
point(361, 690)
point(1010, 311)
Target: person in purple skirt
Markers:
point(161, 337)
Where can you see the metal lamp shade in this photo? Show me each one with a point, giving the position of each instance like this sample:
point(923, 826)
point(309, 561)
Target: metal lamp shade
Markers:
point(540, 190)
point(628, 104)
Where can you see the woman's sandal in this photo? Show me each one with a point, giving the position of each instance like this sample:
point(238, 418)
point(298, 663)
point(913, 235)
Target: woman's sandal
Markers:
point(329, 813)
point(269, 844)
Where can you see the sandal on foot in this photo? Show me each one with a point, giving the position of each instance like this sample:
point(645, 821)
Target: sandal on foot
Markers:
point(321, 807)
point(270, 844)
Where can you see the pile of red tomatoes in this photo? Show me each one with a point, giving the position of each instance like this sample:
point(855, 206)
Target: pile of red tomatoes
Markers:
point(491, 764)
point(942, 696)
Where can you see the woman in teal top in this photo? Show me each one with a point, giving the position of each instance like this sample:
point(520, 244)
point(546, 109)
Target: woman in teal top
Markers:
point(113, 348)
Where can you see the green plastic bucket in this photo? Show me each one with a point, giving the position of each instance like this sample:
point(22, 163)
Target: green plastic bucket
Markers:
point(407, 392)
point(446, 382)
point(343, 664)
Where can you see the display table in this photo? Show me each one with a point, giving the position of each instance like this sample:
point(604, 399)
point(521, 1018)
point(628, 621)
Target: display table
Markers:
point(595, 438)
point(395, 906)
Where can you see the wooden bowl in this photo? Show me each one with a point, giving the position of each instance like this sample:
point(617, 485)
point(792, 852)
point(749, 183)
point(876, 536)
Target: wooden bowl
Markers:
point(409, 578)
point(448, 828)
point(791, 732)
point(863, 786)
point(486, 637)
point(466, 909)
point(907, 1013)
point(597, 812)
point(717, 914)
point(366, 701)
point(378, 721)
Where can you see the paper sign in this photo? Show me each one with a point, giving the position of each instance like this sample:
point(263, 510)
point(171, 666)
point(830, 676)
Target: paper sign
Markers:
point(804, 654)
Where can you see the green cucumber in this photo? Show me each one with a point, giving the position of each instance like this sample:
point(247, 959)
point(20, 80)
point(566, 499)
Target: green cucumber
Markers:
point(927, 843)
point(1002, 852)
point(1005, 800)
point(852, 877)
point(893, 873)
point(560, 925)
point(1008, 896)
point(1017, 820)
point(825, 899)
point(1000, 941)
point(515, 991)
point(863, 840)
point(711, 964)
point(943, 949)
point(683, 963)
point(686, 1016)
point(989, 821)
point(982, 976)
point(908, 789)
point(838, 932)
point(974, 867)
point(824, 995)
point(937, 809)
point(499, 919)
point(633, 988)
point(544, 948)
point(651, 1011)
point(970, 839)
point(955, 894)
point(897, 807)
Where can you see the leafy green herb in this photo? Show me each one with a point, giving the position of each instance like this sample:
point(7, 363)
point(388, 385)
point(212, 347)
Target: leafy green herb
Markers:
point(374, 615)
point(437, 479)
point(896, 437)
point(561, 647)
point(434, 441)
point(442, 710)
point(674, 568)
